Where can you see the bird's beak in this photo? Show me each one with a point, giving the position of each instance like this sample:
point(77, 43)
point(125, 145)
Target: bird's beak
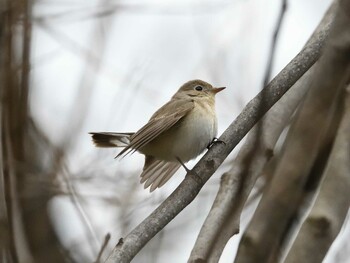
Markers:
point(216, 90)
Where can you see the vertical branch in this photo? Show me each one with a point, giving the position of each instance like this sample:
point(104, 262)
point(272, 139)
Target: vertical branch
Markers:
point(267, 76)
point(26, 45)
point(8, 213)
point(31, 236)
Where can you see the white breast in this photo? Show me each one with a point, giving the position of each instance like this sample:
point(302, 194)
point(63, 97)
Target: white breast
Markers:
point(196, 132)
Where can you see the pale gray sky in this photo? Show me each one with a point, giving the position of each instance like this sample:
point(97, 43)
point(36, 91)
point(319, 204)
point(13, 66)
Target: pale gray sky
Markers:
point(131, 61)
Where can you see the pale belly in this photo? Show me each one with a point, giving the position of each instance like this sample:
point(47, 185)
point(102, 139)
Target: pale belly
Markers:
point(185, 140)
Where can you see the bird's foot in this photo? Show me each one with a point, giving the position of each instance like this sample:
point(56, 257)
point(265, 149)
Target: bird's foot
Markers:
point(215, 140)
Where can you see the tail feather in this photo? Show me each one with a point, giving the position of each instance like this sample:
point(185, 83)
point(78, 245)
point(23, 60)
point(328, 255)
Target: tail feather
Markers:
point(173, 167)
point(157, 172)
point(111, 139)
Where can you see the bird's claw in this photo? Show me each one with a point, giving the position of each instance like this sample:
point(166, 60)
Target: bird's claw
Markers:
point(215, 140)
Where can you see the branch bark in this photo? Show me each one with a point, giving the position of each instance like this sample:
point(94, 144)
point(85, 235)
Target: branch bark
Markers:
point(30, 236)
point(128, 247)
point(301, 147)
point(224, 217)
point(330, 209)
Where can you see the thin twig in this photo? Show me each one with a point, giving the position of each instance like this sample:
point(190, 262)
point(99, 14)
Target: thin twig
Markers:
point(103, 247)
point(274, 42)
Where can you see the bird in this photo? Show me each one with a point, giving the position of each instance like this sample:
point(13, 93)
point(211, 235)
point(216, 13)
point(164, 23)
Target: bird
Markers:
point(177, 132)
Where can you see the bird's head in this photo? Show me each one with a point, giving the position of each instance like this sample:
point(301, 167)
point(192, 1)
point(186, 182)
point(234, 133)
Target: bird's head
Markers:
point(197, 89)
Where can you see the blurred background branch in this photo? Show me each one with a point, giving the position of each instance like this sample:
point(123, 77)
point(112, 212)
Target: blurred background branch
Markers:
point(30, 236)
point(250, 115)
point(279, 203)
point(70, 67)
point(329, 212)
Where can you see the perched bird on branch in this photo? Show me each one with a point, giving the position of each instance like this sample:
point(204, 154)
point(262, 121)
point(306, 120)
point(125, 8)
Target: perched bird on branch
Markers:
point(176, 133)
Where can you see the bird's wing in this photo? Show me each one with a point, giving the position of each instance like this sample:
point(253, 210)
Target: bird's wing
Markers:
point(162, 120)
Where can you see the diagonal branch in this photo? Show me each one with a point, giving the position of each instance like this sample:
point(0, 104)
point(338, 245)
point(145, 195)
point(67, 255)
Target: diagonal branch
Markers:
point(305, 139)
point(224, 217)
point(185, 193)
point(330, 209)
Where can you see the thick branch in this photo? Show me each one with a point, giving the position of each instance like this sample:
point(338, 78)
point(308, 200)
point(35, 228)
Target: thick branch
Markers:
point(251, 114)
point(304, 140)
point(329, 211)
point(224, 217)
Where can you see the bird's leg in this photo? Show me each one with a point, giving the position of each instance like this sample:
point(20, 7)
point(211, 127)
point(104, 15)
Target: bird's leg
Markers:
point(215, 140)
point(190, 172)
point(183, 165)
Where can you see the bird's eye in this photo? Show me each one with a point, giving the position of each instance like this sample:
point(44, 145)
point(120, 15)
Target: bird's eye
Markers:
point(199, 88)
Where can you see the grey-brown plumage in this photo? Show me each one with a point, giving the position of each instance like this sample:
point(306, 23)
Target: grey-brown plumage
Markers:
point(180, 129)
point(111, 139)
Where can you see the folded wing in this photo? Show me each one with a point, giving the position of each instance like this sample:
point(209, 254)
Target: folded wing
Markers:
point(162, 120)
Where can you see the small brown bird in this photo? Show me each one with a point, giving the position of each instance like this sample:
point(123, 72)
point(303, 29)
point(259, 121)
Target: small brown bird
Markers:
point(176, 133)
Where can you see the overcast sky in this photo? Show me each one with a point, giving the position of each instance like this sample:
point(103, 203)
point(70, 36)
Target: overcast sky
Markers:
point(111, 64)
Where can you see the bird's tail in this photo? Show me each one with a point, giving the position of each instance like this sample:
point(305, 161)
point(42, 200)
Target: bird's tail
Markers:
point(111, 139)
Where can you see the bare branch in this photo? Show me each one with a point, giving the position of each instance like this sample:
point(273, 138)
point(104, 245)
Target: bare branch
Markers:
point(224, 217)
point(250, 115)
point(329, 211)
point(305, 139)
point(31, 236)
point(103, 247)
point(274, 42)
